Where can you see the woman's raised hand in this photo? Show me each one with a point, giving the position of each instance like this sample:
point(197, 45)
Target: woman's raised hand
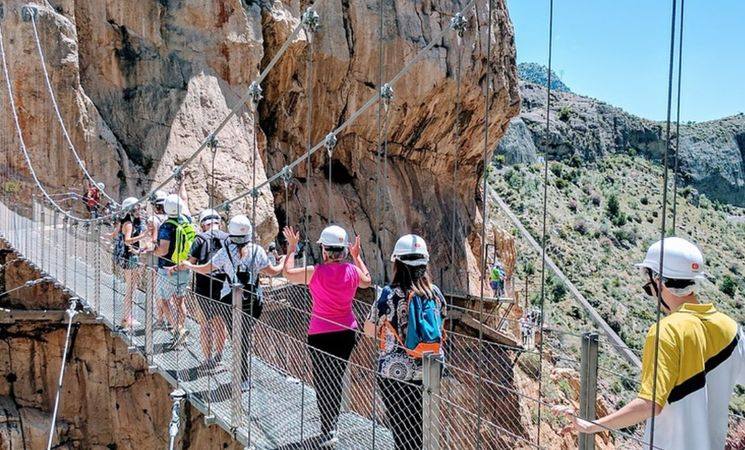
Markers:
point(354, 249)
point(293, 238)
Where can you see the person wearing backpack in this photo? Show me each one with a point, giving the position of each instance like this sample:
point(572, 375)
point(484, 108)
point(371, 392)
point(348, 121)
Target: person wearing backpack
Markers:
point(242, 261)
point(209, 286)
point(331, 331)
point(175, 237)
point(406, 321)
point(130, 231)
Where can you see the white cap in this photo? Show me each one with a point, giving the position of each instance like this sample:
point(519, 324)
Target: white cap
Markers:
point(239, 227)
point(209, 216)
point(129, 202)
point(159, 197)
point(682, 261)
point(411, 250)
point(174, 206)
point(333, 236)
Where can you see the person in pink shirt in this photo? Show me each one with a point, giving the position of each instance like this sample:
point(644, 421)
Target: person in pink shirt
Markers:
point(331, 331)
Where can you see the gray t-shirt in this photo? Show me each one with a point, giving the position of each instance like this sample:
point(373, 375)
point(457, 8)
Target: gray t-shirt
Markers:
point(256, 259)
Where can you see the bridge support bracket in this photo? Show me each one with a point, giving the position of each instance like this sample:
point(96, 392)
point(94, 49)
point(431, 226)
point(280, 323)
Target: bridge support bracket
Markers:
point(28, 12)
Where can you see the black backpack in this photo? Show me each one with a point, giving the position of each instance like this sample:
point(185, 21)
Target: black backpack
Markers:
point(252, 294)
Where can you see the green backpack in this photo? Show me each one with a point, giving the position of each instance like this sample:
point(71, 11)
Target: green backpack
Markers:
point(185, 234)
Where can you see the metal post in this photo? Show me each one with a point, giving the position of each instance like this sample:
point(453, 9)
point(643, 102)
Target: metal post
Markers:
point(43, 217)
point(149, 307)
point(97, 268)
point(431, 371)
point(55, 244)
point(73, 284)
point(236, 398)
point(588, 391)
point(177, 397)
point(65, 224)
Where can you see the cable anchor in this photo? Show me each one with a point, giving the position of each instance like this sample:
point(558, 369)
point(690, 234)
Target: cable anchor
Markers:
point(330, 142)
point(29, 13)
point(255, 193)
point(458, 23)
point(311, 21)
point(255, 91)
point(177, 397)
point(212, 142)
point(386, 94)
point(286, 175)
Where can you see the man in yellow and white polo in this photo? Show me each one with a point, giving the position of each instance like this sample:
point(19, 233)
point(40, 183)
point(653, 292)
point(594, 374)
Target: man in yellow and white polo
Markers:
point(700, 357)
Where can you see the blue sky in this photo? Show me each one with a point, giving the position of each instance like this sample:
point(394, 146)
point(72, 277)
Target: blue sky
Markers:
point(617, 51)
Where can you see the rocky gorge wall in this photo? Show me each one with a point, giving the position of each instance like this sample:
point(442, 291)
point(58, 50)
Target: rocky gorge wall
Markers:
point(141, 84)
point(109, 399)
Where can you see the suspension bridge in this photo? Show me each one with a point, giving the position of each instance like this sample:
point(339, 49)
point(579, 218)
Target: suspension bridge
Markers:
point(473, 402)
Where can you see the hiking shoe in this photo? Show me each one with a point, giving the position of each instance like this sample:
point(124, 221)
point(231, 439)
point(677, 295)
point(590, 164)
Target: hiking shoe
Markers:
point(328, 439)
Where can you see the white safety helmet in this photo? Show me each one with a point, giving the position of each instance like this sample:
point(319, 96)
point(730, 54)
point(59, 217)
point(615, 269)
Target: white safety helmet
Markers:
point(159, 197)
point(682, 261)
point(333, 236)
point(209, 216)
point(129, 203)
point(411, 250)
point(101, 186)
point(240, 229)
point(174, 206)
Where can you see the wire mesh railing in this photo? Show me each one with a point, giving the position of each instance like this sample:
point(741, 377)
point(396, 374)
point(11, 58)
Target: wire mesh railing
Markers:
point(253, 369)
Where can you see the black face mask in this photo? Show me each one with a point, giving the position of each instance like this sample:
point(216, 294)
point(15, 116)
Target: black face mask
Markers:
point(650, 288)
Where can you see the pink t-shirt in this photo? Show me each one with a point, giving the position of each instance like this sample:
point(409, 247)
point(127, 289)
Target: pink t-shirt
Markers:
point(332, 288)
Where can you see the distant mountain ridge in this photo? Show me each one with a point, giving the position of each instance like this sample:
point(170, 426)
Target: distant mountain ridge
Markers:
point(536, 73)
point(712, 153)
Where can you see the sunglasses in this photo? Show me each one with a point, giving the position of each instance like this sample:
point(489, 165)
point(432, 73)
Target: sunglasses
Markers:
point(649, 289)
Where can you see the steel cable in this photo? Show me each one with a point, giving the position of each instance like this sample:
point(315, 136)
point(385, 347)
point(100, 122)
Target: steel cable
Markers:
point(677, 118)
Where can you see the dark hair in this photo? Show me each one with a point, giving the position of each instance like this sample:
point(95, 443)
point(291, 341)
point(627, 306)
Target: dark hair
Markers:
point(412, 278)
point(335, 253)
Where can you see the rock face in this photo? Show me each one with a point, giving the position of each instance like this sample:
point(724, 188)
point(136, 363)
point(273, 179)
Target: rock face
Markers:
point(141, 84)
point(712, 154)
point(109, 400)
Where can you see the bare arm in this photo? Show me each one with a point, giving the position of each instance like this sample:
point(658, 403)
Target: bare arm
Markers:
point(204, 269)
point(636, 411)
point(162, 248)
point(369, 328)
point(128, 238)
point(354, 251)
point(275, 270)
point(295, 275)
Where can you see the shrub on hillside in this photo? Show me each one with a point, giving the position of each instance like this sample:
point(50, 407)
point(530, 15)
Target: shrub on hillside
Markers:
point(556, 289)
point(581, 226)
point(644, 201)
point(561, 183)
point(728, 286)
point(565, 113)
point(595, 199)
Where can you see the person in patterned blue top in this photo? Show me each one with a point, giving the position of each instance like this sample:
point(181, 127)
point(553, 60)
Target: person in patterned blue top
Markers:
point(399, 371)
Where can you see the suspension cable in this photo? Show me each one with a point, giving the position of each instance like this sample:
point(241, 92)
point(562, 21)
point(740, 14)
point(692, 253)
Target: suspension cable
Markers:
point(663, 231)
point(677, 117)
point(354, 116)
point(379, 149)
point(545, 210)
point(458, 23)
point(484, 218)
point(57, 112)
point(70, 314)
point(22, 143)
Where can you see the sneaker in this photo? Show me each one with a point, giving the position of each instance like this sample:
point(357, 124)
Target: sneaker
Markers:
point(328, 439)
point(246, 386)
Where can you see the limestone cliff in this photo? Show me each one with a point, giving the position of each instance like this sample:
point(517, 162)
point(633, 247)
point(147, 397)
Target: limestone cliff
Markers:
point(142, 83)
